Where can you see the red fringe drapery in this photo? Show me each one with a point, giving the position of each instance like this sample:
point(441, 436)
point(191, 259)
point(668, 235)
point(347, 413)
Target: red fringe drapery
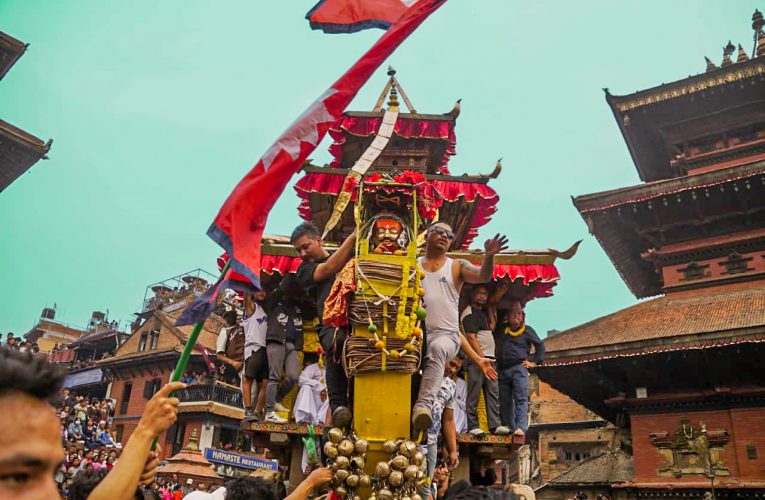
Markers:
point(540, 278)
point(269, 264)
point(485, 197)
point(405, 127)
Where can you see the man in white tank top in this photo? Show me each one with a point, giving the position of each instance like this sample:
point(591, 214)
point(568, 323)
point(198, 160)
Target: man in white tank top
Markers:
point(442, 283)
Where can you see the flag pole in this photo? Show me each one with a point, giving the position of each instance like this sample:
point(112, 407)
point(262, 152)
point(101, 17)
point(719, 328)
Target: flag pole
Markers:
point(183, 361)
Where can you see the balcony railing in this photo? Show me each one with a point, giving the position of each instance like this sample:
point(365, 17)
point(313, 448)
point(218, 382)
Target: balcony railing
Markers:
point(220, 393)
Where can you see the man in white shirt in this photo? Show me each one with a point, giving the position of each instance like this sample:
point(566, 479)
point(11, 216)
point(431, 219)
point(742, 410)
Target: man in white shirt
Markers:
point(311, 403)
point(255, 358)
point(460, 406)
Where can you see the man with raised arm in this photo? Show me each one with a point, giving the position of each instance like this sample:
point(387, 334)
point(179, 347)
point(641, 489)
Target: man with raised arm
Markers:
point(317, 274)
point(442, 281)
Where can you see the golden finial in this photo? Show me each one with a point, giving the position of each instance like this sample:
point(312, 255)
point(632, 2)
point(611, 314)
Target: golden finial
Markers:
point(393, 98)
point(193, 441)
point(727, 51)
point(741, 54)
point(710, 65)
point(757, 23)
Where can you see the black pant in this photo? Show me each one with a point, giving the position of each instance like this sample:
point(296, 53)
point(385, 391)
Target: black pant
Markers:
point(332, 341)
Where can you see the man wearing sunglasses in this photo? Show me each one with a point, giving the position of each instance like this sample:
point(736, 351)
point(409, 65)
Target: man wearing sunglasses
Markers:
point(443, 282)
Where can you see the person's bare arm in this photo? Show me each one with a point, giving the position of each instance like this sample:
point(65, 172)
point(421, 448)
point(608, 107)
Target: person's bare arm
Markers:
point(483, 274)
point(237, 365)
point(484, 363)
point(450, 437)
point(473, 341)
point(336, 261)
point(121, 482)
point(318, 477)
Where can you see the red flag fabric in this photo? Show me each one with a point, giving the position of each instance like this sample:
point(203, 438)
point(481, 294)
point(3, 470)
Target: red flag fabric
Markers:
point(350, 16)
point(239, 225)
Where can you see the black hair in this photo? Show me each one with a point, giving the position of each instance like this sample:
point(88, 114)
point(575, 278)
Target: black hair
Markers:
point(305, 229)
point(23, 372)
point(85, 482)
point(245, 488)
point(310, 357)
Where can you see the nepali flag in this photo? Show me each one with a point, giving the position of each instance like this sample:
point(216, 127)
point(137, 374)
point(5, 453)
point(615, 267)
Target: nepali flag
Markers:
point(239, 225)
point(350, 16)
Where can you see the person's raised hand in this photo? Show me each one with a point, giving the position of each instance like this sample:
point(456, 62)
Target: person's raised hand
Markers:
point(454, 460)
point(319, 477)
point(487, 367)
point(495, 245)
point(161, 411)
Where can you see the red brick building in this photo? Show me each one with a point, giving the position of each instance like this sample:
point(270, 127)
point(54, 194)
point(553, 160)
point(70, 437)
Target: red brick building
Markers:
point(145, 362)
point(683, 373)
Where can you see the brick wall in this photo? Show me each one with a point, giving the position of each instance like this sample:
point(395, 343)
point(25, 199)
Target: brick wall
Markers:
point(744, 426)
point(136, 403)
point(550, 406)
point(594, 441)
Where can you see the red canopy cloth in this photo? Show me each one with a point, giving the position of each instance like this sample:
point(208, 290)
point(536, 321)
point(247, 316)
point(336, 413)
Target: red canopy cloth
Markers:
point(270, 264)
point(540, 278)
point(485, 197)
point(405, 127)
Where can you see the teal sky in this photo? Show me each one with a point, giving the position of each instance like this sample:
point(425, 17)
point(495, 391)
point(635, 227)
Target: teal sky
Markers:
point(158, 108)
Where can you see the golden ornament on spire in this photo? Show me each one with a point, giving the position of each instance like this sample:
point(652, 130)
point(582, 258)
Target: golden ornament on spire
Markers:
point(727, 51)
point(742, 57)
point(710, 65)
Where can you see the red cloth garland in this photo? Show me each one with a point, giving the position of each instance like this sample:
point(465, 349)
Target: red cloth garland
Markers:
point(405, 127)
point(483, 195)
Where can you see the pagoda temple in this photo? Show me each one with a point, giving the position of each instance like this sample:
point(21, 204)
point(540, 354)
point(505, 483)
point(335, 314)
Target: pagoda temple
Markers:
point(421, 145)
point(684, 372)
point(19, 150)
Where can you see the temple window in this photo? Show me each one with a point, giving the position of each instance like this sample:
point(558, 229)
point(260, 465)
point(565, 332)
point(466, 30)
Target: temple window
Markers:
point(694, 271)
point(736, 264)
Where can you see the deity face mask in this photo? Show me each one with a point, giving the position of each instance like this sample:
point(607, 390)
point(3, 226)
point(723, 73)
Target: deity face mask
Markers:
point(387, 232)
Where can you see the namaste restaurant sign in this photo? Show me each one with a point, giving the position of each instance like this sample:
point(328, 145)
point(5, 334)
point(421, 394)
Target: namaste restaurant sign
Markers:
point(238, 460)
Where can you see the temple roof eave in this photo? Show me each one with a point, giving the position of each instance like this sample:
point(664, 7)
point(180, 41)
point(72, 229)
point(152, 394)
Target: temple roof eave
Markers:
point(642, 192)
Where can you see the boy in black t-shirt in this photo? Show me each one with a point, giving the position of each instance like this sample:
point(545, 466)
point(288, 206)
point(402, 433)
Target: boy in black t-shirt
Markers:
point(317, 274)
point(475, 326)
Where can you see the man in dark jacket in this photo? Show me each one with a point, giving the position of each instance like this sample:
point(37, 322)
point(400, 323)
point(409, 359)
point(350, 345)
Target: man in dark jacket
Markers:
point(514, 339)
point(284, 339)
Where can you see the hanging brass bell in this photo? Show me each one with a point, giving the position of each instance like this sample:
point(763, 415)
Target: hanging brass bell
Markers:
point(341, 491)
point(384, 494)
point(407, 448)
point(382, 470)
point(411, 472)
point(399, 462)
point(342, 462)
point(357, 462)
point(396, 478)
point(352, 480)
point(345, 447)
point(341, 475)
point(335, 435)
point(365, 481)
point(361, 445)
point(389, 446)
point(418, 458)
point(330, 450)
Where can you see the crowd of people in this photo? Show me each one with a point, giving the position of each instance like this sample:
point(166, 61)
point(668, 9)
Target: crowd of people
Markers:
point(17, 343)
point(498, 348)
point(470, 351)
point(39, 460)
